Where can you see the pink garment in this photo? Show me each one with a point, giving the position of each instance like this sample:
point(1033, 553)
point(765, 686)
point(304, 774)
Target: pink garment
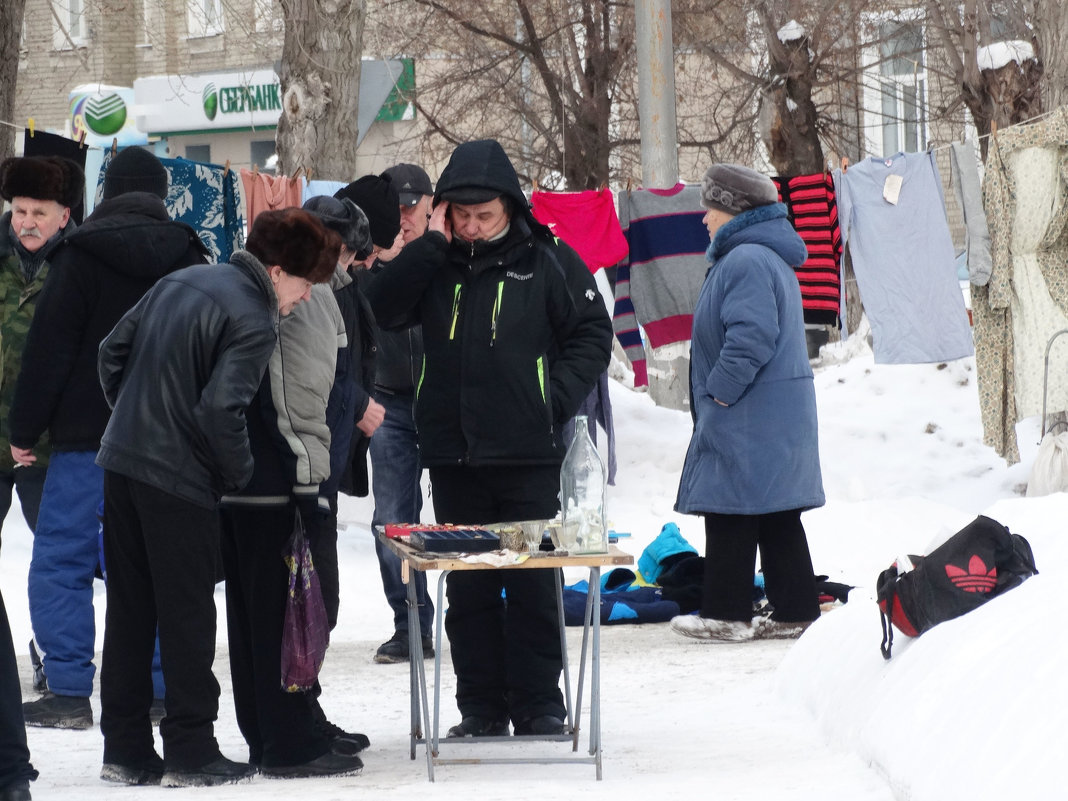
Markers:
point(586, 221)
point(269, 192)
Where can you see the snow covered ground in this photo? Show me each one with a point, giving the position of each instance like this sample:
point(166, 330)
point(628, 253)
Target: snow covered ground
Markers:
point(971, 710)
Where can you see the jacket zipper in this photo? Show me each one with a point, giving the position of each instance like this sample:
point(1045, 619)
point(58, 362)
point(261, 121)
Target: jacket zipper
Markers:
point(496, 312)
point(455, 311)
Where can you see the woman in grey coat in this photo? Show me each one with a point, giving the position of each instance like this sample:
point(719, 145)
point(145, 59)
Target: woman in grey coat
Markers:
point(753, 462)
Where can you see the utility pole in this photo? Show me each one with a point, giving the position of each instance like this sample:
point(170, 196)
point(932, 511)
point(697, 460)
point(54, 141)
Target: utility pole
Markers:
point(656, 94)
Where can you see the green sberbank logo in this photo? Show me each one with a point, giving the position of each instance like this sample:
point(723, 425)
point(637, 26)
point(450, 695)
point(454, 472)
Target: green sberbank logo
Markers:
point(105, 114)
point(210, 97)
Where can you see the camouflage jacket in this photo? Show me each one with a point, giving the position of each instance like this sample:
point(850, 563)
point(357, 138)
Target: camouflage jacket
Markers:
point(18, 299)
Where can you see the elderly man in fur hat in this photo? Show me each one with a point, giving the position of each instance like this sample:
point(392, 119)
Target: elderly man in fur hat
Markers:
point(41, 191)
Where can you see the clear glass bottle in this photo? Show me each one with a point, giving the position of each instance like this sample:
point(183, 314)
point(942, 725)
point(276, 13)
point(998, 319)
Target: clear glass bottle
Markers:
point(583, 483)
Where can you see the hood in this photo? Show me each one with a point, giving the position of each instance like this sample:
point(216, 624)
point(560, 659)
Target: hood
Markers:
point(134, 235)
point(765, 225)
point(484, 164)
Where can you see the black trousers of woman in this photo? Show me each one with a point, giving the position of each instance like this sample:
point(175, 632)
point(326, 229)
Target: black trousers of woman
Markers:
point(162, 554)
point(278, 726)
point(506, 654)
point(731, 546)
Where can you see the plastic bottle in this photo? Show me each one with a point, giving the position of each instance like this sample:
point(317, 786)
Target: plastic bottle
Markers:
point(583, 482)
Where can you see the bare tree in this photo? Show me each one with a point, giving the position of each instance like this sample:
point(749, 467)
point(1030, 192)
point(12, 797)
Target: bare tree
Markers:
point(1013, 88)
point(11, 13)
point(320, 84)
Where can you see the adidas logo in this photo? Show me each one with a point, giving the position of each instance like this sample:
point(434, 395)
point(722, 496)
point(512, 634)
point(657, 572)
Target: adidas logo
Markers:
point(975, 579)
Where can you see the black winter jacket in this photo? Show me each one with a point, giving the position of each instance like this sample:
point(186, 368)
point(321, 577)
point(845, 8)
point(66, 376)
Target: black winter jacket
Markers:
point(515, 336)
point(179, 371)
point(400, 353)
point(97, 274)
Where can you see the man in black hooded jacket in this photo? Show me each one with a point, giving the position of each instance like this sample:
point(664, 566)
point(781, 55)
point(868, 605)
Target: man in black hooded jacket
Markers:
point(97, 274)
point(515, 335)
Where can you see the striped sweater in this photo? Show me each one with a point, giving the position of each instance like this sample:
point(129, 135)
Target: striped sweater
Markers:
point(813, 213)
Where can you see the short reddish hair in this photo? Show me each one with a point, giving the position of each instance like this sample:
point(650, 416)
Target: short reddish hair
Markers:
point(297, 242)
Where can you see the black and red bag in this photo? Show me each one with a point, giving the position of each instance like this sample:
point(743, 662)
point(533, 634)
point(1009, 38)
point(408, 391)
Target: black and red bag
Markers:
point(982, 560)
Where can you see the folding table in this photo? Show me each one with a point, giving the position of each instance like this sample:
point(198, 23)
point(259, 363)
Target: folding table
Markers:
point(421, 722)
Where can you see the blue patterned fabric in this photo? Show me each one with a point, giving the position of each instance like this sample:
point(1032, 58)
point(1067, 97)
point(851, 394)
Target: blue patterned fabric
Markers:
point(205, 197)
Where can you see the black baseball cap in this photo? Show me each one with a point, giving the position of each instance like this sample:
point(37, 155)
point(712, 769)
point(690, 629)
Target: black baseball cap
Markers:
point(410, 181)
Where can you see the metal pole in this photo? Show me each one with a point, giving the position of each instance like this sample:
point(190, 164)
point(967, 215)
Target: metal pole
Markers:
point(656, 94)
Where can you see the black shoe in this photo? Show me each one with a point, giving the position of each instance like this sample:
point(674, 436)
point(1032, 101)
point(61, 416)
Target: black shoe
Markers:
point(343, 742)
point(540, 726)
point(396, 649)
point(145, 773)
point(473, 726)
point(18, 791)
point(40, 681)
point(157, 711)
point(218, 771)
point(329, 764)
point(59, 712)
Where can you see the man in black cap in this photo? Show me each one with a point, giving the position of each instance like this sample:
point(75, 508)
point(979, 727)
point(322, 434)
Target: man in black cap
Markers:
point(395, 448)
point(42, 190)
point(98, 273)
point(516, 335)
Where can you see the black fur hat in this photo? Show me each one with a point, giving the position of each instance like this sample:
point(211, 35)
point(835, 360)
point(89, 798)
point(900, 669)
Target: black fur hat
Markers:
point(42, 178)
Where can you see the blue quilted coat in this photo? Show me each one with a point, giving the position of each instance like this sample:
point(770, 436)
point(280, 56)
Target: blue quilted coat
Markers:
point(760, 452)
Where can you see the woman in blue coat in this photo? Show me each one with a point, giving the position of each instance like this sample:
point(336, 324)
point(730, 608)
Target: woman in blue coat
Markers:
point(753, 463)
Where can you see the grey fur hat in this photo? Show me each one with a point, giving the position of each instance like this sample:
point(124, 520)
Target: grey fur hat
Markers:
point(733, 188)
point(344, 218)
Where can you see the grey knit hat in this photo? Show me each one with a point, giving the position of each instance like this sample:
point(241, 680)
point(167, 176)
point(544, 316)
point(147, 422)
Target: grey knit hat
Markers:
point(733, 188)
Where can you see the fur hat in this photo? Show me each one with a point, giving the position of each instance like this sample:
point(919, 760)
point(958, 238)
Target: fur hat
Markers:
point(135, 170)
point(378, 199)
point(411, 181)
point(733, 188)
point(42, 178)
point(346, 219)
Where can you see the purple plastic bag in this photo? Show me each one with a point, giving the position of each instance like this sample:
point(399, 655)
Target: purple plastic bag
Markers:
point(305, 632)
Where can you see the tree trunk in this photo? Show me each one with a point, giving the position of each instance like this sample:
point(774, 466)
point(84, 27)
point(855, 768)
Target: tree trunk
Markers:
point(790, 117)
point(11, 14)
point(320, 84)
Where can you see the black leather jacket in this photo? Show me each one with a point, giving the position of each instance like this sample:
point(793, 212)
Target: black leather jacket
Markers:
point(179, 371)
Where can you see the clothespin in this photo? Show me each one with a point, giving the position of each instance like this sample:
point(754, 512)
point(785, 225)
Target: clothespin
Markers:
point(255, 169)
point(628, 184)
point(535, 184)
point(226, 168)
point(845, 163)
point(114, 145)
point(30, 124)
point(993, 127)
point(81, 139)
point(297, 172)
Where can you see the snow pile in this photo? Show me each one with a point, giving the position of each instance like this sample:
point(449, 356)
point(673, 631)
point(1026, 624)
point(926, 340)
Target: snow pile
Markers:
point(997, 55)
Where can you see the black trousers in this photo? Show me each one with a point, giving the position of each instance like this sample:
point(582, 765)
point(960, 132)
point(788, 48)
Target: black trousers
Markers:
point(731, 545)
point(506, 654)
point(162, 553)
point(279, 727)
point(14, 754)
point(28, 482)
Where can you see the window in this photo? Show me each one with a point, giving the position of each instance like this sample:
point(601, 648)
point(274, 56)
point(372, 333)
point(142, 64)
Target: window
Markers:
point(260, 152)
point(902, 85)
point(204, 17)
point(200, 153)
point(70, 28)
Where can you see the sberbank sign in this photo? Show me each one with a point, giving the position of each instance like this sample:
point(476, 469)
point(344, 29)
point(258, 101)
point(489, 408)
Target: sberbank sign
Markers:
point(241, 99)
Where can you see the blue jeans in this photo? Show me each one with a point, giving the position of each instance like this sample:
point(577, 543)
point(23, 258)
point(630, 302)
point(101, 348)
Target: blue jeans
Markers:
point(395, 473)
point(62, 569)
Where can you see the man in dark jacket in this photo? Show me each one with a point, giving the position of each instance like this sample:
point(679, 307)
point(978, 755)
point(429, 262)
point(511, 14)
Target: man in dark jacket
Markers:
point(515, 335)
point(179, 370)
point(395, 448)
point(98, 273)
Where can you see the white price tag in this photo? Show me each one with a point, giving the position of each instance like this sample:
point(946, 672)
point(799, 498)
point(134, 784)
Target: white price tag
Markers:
point(892, 188)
